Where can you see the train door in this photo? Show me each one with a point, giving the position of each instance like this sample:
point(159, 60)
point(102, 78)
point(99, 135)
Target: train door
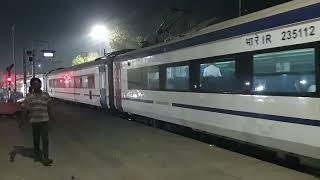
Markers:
point(117, 85)
point(103, 86)
point(110, 84)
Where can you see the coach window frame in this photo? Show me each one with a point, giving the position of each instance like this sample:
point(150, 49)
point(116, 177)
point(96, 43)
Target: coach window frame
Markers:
point(148, 69)
point(56, 83)
point(71, 82)
point(212, 60)
point(51, 83)
point(84, 77)
point(163, 73)
point(243, 67)
point(61, 83)
point(240, 58)
point(93, 83)
point(194, 79)
point(317, 58)
point(143, 79)
point(66, 82)
point(315, 46)
point(75, 84)
point(144, 70)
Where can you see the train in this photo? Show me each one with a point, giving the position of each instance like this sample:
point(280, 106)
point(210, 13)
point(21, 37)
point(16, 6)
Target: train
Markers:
point(252, 79)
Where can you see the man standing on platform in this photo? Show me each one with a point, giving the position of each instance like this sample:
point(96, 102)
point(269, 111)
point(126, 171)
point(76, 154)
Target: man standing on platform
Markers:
point(37, 105)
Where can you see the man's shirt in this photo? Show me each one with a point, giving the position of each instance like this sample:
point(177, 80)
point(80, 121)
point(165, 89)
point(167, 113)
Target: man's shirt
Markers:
point(37, 104)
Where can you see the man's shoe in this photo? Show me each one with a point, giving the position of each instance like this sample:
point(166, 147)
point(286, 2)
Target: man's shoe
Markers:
point(50, 160)
point(47, 162)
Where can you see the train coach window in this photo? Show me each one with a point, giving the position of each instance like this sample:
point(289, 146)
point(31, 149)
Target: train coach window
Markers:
point(290, 71)
point(146, 78)
point(61, 83)
point(177, 78)
point(219, 76)
point(71, 82)
point(136, 78)
point(51, 83)
point(84, 81)
point(66, 83)
point(91, 81)
point(77, 82)
point(55, 83)
point(153, 78)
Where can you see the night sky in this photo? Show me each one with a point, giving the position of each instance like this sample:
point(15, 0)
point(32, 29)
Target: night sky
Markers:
point(66, 24)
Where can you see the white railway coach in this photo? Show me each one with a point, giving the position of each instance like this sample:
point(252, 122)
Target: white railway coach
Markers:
point(83, 84)
point(253, 79)
point(90, 83)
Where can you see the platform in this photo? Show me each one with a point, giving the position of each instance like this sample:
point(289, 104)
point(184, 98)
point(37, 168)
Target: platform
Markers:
point(86, 144)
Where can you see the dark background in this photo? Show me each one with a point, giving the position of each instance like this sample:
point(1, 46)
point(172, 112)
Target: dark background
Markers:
point(66, 24)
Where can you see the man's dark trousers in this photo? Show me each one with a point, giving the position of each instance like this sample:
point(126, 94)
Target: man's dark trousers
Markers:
point(40, 131)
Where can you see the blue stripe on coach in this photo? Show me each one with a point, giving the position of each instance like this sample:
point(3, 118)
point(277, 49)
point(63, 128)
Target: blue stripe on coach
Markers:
point(286, 18)
point(309, 122)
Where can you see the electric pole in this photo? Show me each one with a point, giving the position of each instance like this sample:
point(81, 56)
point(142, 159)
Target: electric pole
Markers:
point(14, 56)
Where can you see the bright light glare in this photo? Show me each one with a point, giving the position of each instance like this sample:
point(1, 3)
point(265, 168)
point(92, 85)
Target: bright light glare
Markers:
point(100, 32)
point(303, 82)
point(48, 54)
point(39, 65)
point(21, 99)
point(259, 88)
point(247, 83)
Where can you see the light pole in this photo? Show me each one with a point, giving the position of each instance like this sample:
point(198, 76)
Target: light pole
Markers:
point(35, 46)
point(13, 56)
point(25, 70)
point(101, 34)
point(45, 53)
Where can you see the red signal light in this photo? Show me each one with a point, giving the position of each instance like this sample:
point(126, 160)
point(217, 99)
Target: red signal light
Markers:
point(9, 79)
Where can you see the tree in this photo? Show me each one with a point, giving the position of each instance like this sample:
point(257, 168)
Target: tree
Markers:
point(84, 59)
point(122, 38)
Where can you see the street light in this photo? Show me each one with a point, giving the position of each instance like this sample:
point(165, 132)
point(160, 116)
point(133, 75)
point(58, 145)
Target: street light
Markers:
point(100, 33)
point(33, 54)
point(48, 53)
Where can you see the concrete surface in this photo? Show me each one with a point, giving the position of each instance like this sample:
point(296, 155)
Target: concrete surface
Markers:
point(90, 145)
